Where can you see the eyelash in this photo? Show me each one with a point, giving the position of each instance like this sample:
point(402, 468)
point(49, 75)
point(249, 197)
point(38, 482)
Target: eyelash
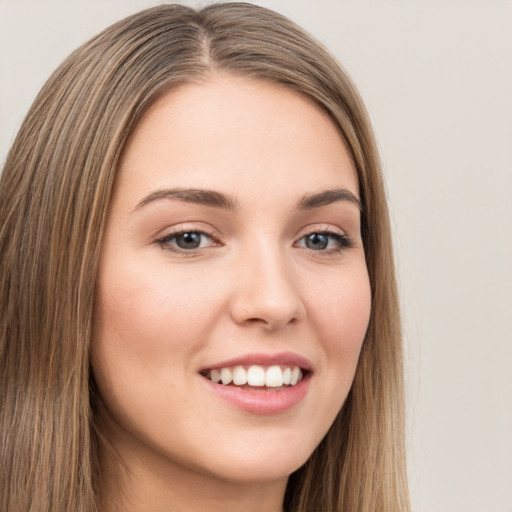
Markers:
point(342, 240)
point(164, 242)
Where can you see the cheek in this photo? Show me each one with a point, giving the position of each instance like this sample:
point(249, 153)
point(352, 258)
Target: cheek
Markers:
point(151, 312)
point(147, 332)
point(342, 310)
point(341, 318)
point(146, 329)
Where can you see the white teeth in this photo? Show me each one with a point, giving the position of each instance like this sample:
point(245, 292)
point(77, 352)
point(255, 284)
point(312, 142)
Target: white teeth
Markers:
point(225, 376)
point(274, 377)
point(257, 376)
point(239, 376)
point(215, 375)
point(296, 376)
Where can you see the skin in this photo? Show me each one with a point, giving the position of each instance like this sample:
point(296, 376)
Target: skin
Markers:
point(252, 286)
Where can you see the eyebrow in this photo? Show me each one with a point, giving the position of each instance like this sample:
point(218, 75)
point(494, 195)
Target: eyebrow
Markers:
point(216, 199)
point(327, 197)
point(192, 195)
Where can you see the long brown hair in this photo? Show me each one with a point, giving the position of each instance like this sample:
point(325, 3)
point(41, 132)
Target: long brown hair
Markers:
point(54, 200)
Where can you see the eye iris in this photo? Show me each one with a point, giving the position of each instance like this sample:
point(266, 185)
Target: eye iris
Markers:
point(317, 241)
point(188, 240)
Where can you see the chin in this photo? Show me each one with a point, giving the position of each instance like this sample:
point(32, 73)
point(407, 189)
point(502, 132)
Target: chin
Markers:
point(260, 462)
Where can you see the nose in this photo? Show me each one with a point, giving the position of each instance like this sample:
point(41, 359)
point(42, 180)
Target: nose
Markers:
point(266, 291)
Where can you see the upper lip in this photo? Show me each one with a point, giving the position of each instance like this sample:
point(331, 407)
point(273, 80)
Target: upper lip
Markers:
point(257, 358)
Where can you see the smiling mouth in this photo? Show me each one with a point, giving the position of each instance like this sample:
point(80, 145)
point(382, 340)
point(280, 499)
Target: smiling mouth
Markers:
point(256, 377)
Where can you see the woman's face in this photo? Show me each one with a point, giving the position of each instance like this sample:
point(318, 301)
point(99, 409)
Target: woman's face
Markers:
point(232, 251)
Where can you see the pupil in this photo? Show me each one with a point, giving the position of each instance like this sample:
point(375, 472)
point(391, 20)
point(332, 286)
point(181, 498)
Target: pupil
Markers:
point(188, 240)
point(316, 241)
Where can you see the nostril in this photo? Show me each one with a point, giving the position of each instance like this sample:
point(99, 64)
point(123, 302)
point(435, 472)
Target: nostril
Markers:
point(270, 322)
point(256, 321)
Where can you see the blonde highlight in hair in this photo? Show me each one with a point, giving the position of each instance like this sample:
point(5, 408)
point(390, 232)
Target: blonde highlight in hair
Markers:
point(55, 193)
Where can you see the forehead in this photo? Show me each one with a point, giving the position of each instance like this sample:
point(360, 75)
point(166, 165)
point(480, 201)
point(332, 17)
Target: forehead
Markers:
point(238, 134)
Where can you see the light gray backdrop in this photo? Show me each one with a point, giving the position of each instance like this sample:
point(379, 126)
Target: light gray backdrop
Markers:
point(437, 79)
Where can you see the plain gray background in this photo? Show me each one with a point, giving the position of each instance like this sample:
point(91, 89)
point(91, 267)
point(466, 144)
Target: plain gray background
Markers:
point(437, 79)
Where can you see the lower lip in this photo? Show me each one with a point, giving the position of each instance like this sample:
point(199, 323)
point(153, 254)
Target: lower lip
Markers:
point(262, 402)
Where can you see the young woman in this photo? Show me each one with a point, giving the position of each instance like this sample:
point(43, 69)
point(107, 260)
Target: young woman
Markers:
point(198, 300)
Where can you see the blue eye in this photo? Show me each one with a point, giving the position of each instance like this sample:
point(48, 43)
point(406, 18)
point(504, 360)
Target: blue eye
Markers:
point(325, 241)
point(186, 241)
